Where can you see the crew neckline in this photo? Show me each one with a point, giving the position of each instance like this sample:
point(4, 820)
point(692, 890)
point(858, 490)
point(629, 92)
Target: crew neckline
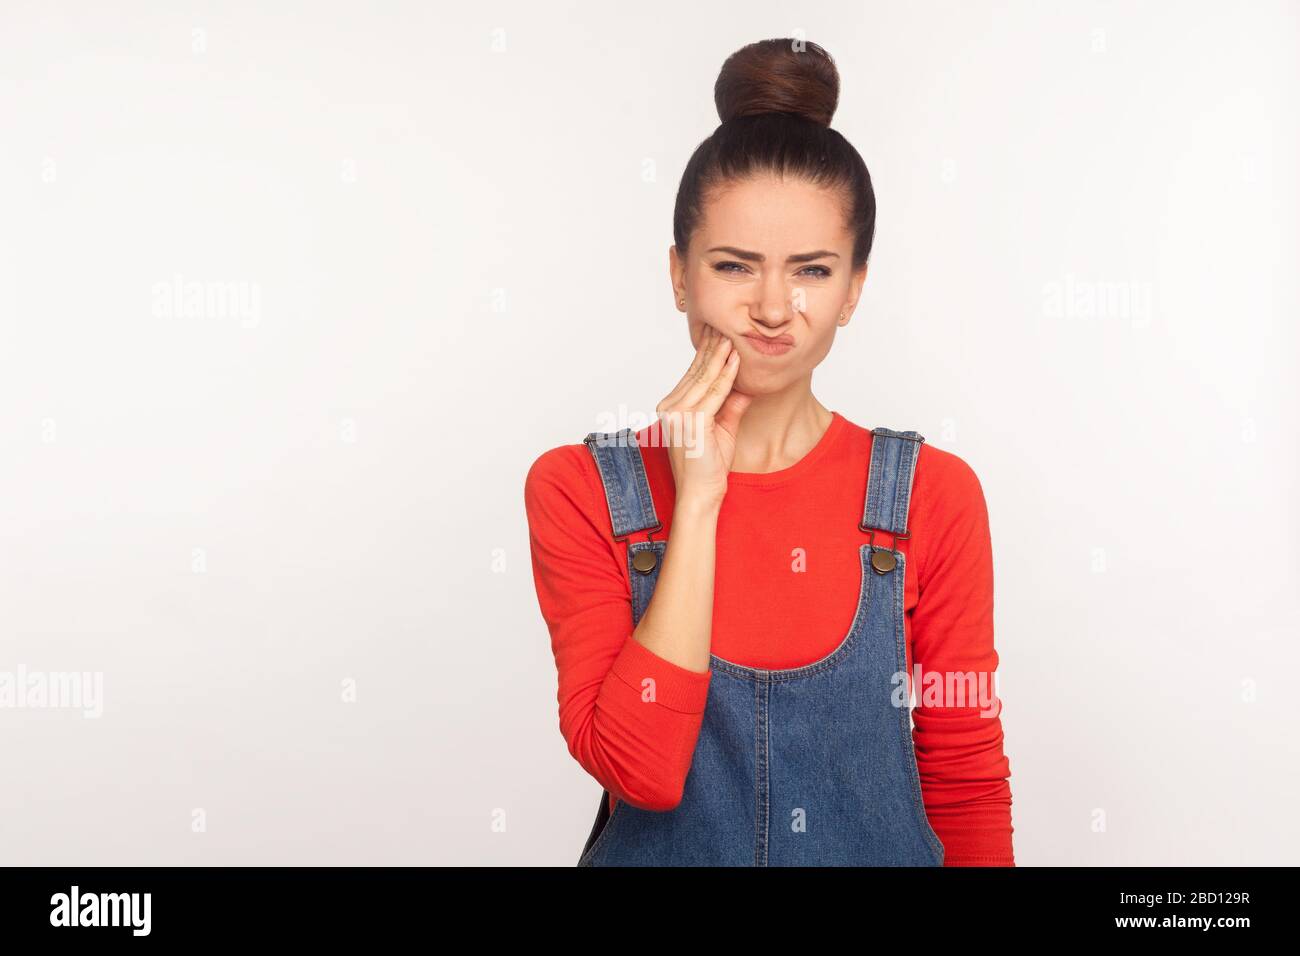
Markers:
point(768, 478)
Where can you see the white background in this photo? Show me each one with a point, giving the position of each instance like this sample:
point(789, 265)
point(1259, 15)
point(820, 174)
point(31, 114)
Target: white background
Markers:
point(456, 223)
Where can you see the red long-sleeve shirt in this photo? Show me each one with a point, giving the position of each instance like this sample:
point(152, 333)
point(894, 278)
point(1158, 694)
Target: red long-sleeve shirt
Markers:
point(764, 615)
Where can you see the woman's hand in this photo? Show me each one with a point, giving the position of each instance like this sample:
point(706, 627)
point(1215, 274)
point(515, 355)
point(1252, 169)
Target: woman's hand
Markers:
point(699, 420)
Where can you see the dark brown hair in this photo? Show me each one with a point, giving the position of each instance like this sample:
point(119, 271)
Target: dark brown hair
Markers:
point(776, 99)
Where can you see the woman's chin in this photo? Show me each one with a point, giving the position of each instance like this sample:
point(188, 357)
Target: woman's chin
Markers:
point(755, 383)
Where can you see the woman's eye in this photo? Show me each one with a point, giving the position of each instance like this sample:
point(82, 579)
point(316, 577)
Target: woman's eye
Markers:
point(819, 272)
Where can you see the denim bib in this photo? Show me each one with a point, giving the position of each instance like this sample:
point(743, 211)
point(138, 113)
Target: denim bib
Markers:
point(804, 766)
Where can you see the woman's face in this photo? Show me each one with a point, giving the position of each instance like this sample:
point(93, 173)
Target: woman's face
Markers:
point(770, 258)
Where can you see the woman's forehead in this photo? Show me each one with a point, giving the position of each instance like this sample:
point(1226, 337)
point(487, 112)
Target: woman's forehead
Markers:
point(775, 221)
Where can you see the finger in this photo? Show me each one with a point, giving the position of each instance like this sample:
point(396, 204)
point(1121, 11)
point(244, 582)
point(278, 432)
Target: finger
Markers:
point(709, 337)
point(710, 340)
point(704, 380)
point(720, 387)
point(733, 407)
point(670, 424)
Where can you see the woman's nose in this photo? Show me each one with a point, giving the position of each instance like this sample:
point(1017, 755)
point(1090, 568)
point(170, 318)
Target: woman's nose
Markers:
point(774, 306)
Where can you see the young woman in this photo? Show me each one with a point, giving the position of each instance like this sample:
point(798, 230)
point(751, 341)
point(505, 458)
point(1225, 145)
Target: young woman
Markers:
point(737, 595)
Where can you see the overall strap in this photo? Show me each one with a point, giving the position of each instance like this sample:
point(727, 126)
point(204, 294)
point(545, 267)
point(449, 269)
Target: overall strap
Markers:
point(631, 509)
point(622, 471)
point(889, 482)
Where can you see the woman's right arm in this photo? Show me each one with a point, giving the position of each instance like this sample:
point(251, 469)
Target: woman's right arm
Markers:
point(630, 714)
point(631, 704)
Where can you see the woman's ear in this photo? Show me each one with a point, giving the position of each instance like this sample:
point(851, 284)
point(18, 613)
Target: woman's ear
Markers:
point(677, 276)
point(855, 292)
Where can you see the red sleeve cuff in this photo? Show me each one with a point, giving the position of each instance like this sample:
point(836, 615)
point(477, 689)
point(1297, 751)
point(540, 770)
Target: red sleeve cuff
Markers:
point(675, 687)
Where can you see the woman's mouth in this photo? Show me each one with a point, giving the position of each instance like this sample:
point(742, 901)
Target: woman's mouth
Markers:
point(769, 344)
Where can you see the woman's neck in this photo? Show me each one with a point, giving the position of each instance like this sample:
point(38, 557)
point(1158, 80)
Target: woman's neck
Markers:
point(778, 430)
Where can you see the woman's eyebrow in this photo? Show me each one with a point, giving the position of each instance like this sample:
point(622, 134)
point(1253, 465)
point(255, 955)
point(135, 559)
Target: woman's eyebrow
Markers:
point(759, 257)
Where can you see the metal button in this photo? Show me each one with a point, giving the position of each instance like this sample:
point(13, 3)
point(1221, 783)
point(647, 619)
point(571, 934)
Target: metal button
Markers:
point(645, 561)
point(882, 562)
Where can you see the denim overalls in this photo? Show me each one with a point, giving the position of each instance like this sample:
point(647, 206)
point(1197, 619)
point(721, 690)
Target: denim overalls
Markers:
point(805, 766)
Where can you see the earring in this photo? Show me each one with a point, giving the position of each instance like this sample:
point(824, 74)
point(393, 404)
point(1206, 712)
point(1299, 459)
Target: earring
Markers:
point(681, 301)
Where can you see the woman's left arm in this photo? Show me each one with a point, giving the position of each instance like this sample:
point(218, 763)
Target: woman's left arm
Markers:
point(965, 776)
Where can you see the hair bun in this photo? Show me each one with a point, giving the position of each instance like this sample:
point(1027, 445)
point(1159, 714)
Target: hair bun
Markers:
point(778, 76)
